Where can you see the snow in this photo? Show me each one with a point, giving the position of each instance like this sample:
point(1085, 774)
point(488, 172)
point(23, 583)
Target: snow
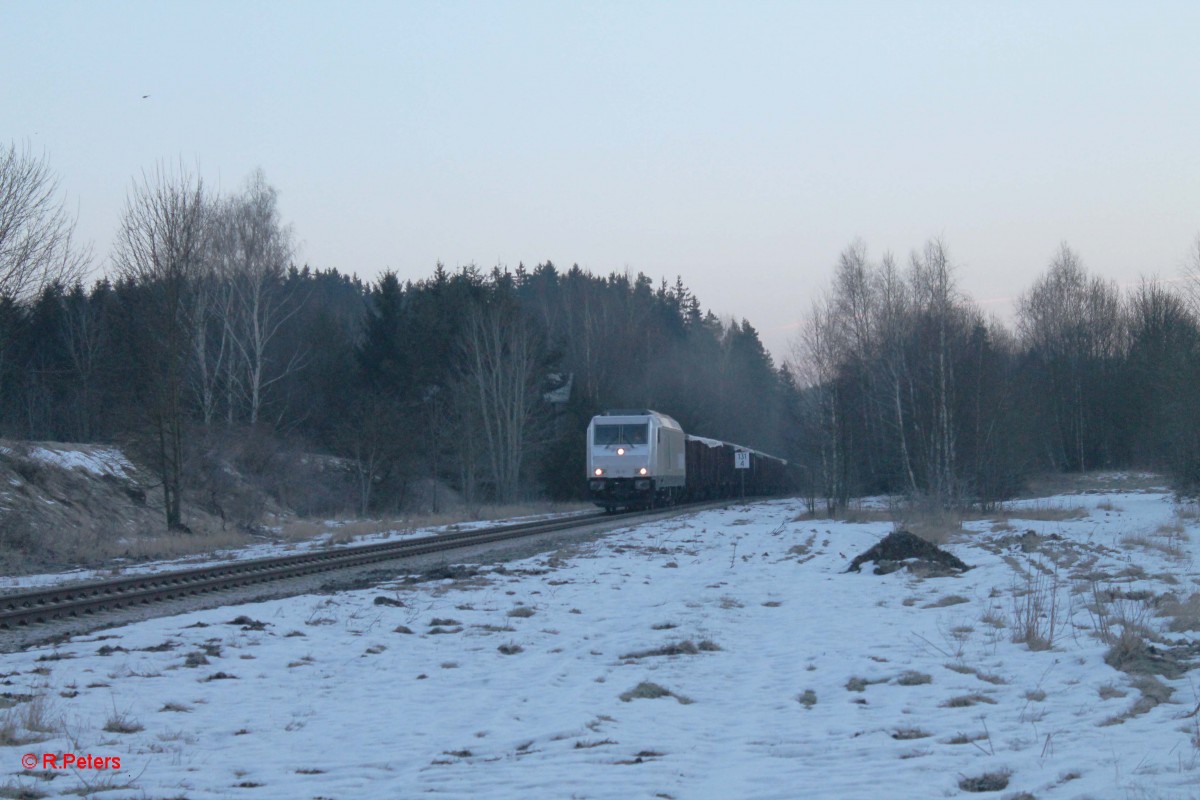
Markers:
point(329, 700)
point(98, 461)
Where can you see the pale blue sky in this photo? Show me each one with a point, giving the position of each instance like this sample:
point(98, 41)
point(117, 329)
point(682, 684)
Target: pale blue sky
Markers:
point(740, 145)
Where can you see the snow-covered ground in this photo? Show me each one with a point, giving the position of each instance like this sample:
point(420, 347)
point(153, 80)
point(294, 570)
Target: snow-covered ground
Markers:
point(790, 677)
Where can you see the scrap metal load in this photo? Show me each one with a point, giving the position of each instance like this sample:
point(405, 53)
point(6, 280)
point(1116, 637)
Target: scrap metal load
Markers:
point(641, 459)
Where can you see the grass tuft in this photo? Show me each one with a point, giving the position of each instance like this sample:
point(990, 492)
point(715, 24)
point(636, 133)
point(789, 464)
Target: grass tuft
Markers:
point(651, 691)
point(120, 722)
point(905, 734)
point(987, 782)
point(914, 678)
point(967, 700)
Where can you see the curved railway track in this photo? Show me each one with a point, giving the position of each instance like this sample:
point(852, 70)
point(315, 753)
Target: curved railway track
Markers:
point(21, 609)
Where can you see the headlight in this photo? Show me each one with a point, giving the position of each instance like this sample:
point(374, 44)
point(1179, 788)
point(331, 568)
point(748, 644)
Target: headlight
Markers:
point(598, 472)
point(620, 451)
point(642, 471)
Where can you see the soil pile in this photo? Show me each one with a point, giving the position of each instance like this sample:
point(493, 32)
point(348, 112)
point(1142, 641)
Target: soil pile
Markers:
point(904, 550)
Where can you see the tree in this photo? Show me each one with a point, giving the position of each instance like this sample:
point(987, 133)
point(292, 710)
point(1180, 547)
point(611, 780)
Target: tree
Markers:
point(36, 240)
point(816, 368)
point(501, 368)
point(36, 246)
point(1161, 382)
point(1071, 325)
point(255, 251)
point(161, 247)
point(936, 302)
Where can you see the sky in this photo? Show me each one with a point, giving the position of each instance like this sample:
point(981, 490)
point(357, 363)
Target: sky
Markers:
point(739, 145)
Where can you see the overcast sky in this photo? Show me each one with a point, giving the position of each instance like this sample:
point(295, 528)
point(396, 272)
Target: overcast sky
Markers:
point(740, 145)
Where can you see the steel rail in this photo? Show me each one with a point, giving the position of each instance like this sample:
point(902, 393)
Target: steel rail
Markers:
point(58, 602)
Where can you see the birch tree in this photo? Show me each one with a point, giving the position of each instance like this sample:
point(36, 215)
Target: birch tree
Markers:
point(501, 360)
point(255, 251)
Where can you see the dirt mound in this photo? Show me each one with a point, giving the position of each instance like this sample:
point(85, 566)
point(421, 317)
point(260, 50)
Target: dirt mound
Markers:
point(901, 549)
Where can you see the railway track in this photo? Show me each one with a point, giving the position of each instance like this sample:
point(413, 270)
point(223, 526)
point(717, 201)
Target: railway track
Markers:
point(21, 609)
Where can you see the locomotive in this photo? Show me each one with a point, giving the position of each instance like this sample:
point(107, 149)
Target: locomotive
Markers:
point(638, 458)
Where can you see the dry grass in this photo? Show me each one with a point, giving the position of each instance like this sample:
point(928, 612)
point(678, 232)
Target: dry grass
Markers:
point(1184, 614)
point(948, 600)
point(1123, 622)
point(963, 738)
point(91, 549)
point(651, 691)
point(1168, 539)
point(348, 529)
point(914, 678)
point(987, 782)
point(1092, 483)
point(905, 734)
point(932, 522)
point(1188, 512)
point(967, 700)
point(1040, 512)
point(852, 514)
point(120, 722)
point(1036, 618)
point(28, 722)
point(685, 648)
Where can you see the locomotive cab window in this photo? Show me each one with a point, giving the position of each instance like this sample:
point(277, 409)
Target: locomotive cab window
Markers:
point(622, 434)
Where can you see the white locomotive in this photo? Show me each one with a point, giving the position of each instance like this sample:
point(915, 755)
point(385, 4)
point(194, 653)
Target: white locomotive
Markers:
point(635, 458)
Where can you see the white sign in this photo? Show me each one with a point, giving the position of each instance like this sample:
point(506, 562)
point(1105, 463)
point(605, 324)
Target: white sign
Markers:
point(741, 459)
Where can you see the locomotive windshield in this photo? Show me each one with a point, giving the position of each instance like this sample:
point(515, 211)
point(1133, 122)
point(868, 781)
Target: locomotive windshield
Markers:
point(622, 434)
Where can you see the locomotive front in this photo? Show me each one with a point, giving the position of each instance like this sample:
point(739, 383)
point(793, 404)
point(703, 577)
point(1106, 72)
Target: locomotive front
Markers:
point(635, 459)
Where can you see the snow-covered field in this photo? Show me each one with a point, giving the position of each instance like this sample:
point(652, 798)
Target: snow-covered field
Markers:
point(777, 674)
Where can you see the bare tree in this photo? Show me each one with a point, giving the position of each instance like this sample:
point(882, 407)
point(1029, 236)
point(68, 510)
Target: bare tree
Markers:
point(211, 375)
point(160, 248)
point(500, 366)
point(894, 309)
point(36, 246)
point(367, 437)
point(816, 363)
point(1072, 325)
point(936, 300)
point(255, 249)
point(1191, 276)
point(84, 338)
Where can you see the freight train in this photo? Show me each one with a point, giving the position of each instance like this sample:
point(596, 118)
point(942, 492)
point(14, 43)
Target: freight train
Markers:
point(637, 458)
